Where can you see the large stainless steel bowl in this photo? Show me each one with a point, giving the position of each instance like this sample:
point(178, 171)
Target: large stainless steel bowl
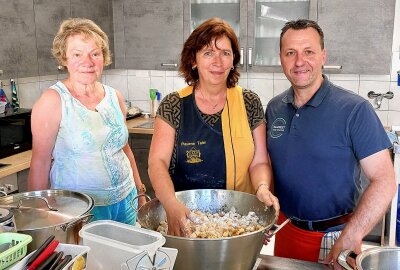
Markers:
point(382, 258)
point(234, 253)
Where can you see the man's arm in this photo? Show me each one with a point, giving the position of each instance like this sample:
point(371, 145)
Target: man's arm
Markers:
point(373, 204)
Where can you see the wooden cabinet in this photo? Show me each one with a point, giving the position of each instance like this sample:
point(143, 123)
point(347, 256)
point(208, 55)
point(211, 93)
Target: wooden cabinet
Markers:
point(148, 34)
point(358, 34)
point(140, 145)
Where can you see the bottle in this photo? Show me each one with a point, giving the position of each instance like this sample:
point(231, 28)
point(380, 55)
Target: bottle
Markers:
point(153, 96)
point(4, 102)
point(14, 96)
point(398, 78)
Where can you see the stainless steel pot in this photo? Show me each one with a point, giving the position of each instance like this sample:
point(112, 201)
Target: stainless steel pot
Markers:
point(49, 212)
point(382, 258)
point(234, 253)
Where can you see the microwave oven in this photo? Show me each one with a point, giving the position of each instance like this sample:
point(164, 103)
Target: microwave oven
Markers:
point(15, 132)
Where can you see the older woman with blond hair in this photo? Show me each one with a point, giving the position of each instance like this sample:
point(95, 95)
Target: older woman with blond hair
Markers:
point(80, 138)
point(210, 134)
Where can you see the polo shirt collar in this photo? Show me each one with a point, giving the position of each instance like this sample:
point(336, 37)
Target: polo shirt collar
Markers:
point(316, 100)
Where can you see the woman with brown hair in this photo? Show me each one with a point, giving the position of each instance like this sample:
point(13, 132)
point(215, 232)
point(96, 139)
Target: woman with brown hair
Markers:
point(210, 134)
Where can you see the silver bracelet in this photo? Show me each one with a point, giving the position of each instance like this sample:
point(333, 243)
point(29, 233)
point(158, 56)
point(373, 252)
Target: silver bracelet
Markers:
point(260, 185)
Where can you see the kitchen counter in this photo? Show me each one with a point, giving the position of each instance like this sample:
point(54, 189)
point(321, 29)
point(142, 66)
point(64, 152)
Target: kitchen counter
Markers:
point(277, 263)
point(140, 125)
point(15, 163)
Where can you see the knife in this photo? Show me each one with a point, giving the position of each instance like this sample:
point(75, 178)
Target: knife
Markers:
point(39, 250)
point(46, 263)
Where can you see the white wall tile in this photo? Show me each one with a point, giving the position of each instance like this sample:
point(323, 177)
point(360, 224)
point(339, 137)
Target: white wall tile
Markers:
point(122, 72)
point(158, 83)
point(393, 118)
point(383, 116)
point(157, 73)
point(251, 75)
point(394, 104)
point(28, 94)
point(344, 77)
point(179, 83)
point(279, 76)
point(119, 82)
point(349, 85)
point(169, 85)
point(381, 78)
point(263, 87)
point(243, 82)
point(44, 85)
point(138, 88)
point(281, 86)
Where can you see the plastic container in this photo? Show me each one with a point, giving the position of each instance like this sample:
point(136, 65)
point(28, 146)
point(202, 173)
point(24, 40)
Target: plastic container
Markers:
point(112, 243)
point(74, 250)
point(15, 253)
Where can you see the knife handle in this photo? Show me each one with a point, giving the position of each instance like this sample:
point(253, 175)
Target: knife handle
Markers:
point(46, 263)
point(57, 260)
point(64, 262)
point(44, 255)
point(39, 250)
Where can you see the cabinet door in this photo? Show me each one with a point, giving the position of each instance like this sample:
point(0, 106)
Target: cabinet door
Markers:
point(18, 55)
point(48, 16)
point(265, 21)
point(153, 33)
point(140, 145)
point(358, 34)
point(232, 11)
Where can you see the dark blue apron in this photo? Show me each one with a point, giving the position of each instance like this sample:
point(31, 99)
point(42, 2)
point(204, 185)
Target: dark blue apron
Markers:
point(200, 159)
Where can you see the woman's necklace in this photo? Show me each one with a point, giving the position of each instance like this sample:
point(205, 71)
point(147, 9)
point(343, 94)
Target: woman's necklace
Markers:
point(213, 106)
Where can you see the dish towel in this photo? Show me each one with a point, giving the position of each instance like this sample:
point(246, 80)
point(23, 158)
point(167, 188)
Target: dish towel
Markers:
point(328, 240)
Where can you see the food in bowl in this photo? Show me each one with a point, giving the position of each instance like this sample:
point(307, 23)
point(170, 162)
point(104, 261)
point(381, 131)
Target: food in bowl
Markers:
point(217, 225)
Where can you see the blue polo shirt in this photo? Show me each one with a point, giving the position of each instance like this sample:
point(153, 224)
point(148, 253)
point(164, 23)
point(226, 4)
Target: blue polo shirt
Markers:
point(316, 149)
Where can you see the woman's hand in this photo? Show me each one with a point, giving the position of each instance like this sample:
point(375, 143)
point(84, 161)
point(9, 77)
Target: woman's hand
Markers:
point(177, 217)
point(265, 195)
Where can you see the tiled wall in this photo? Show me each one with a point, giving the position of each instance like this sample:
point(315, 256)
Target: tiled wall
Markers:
point(135, 84)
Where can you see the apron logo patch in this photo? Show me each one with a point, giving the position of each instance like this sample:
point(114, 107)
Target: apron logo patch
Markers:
point(193, 156)
point(278, 128)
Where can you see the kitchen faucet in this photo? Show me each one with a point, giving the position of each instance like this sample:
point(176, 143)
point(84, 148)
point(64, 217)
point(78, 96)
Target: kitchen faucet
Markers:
point(379, 96)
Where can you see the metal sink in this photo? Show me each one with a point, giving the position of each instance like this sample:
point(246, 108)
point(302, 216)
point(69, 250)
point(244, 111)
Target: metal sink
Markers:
point(148, 124)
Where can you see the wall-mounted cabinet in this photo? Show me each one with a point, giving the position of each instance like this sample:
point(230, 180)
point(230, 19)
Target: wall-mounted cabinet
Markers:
point(257, 23)
point(28, 28)
point(358, 34)
point(148, 34)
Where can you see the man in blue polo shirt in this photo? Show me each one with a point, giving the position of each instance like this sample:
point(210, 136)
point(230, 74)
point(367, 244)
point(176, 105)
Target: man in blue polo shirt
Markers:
point(319, 138)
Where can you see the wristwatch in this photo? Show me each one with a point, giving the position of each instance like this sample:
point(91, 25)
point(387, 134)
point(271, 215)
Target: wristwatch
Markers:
point(142, 189)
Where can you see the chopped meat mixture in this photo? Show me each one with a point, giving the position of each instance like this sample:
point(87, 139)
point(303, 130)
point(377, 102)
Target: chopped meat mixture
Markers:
point(217, 225)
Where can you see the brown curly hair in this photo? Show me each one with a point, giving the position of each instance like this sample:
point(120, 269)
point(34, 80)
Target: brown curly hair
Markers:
point(77, 26)
point(207, 32)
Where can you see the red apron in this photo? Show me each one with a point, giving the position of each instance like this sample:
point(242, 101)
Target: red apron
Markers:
point(295, 243)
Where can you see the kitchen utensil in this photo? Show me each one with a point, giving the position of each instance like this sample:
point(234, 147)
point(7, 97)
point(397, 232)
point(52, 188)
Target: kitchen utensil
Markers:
point(44, 255)
point(47, 262)
point(237, 252)
point(279, 227)
point(7, 222)
point(40, 250)
point(382, 258)
point(64, 262)
point(164, 258)
point(35, 217)
point(57, 260)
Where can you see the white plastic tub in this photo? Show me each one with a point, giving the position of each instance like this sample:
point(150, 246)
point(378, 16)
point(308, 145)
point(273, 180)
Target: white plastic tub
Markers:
point(112, 243)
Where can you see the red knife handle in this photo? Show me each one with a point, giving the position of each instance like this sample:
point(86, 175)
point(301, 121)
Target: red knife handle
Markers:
point(44, 255)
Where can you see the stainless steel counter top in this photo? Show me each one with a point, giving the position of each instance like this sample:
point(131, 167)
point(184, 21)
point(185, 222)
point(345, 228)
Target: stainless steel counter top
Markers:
point(278, 263)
